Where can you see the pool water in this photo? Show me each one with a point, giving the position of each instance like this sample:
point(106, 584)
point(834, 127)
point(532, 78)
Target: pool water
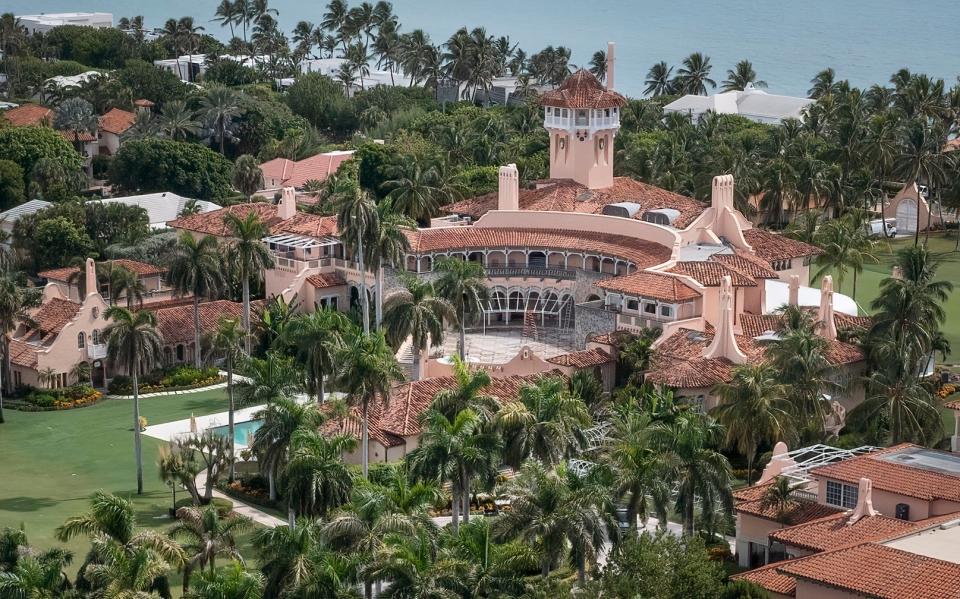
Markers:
point(240, 431)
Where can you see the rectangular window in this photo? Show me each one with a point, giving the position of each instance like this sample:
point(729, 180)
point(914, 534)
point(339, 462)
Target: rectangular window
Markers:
point(633, 305)
point(842, 495)
point(666, 311)
point(650, 309)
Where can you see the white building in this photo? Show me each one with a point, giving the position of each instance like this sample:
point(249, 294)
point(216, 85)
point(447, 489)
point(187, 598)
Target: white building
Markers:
point(189, 68)
point(71, 81)
point(751, 103)
point(45, 22)
point(10, 217)
point(160, 207)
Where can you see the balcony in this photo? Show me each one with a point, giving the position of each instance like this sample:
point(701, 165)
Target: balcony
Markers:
point(295, 266)
point(525, 272)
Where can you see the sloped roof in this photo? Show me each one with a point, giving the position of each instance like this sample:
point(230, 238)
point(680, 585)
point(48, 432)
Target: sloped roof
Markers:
point(310, 225)
point(833, 532)
point(773, 246)
point(117, 121)
point(161, 207)
point(212, 223)
point(582, 90)
point(582, 359)
point(315, 168)
point(176, 324)
point(649, 284)
point(566, 195)
point(32, 207)
point(325, 280)
point(641, 252)
point(878, 571)
point(28, 114)
point(141, 268)
point(800, 511)
point(54, 314)
point(711, 274)
point(23, 354)
point(770, 578)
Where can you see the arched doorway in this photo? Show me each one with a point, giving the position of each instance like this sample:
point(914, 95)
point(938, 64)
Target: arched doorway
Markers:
point(907, 216)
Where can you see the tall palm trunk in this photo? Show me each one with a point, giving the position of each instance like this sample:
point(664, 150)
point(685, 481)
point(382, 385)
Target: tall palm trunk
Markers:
point(233, 450)
point(196, 330)
point(320, 392)
point(415, 367)
point(688, 517)
point(454, 506)
point(246, 314)
point(137, 449)
point(3, 376)
point(463, 334)
point(271, 483)
point(364, 297)
point(466, 495)
point(378, 274)
point(365, 439)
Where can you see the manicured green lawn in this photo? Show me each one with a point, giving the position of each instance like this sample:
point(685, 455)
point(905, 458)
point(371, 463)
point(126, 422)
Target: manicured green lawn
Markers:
point(868, 282)
point(53, 461)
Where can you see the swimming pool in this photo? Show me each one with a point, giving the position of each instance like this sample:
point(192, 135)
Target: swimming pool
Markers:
point(240, 431)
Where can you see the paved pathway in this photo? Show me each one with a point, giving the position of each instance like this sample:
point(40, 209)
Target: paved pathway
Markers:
point(255, 514)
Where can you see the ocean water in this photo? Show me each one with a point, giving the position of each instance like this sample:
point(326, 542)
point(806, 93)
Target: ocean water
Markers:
point(788, 42)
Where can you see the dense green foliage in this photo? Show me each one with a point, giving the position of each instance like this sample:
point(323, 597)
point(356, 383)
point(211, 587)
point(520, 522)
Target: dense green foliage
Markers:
point(165, 165)
point(28, 145)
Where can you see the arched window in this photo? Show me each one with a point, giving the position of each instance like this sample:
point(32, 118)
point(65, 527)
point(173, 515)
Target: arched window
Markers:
point(81, 340)
point(96, 337)
point(95, 312)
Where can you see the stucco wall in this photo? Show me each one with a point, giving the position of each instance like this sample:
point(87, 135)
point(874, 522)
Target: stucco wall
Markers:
point(810, 590)
point(592, 320)
point(886, 502)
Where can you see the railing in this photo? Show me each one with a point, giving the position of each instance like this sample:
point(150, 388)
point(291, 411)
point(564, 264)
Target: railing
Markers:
point(561, 274)
point(291, 265)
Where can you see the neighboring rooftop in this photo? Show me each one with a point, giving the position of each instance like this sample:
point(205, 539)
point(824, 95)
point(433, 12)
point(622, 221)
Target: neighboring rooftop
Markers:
point(29, 114)
point(649, 284)
point(161, 207)
point(117, 121)
point(212, 223)
point(751, 103)
point(774, 246)
point(281, 172)
point(32, 207)
point(141, 268)
point(176, 324)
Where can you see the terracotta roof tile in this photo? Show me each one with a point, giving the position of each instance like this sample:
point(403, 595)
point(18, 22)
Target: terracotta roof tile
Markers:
point(770, 578)
point(327, 279)
point(400, 417)
point(582, 359)
point(833, 532)
point(23, 354)
point(176, 324)
point(117, 121)
point(838, 352)
point(746, 264)
point(642, 253)
point(772, 246)
point(894, 477)
point(801, 511)
point(141, 268)
point(296, 174)
point(54, 314)
point(212, 223)
point(879, 571)
point(29, 114)
point(582, 90)
point(654, 285)
point(310, 225)
point(565, 195)
point(710, 274)
point(84, 136)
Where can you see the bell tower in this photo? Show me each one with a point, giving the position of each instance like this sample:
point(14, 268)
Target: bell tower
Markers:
point(583, 117)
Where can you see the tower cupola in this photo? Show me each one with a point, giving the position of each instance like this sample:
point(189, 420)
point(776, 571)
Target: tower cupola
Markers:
point(582, 118)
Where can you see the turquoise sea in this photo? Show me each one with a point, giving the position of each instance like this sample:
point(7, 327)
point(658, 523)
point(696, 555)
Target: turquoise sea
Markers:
point(788, 42)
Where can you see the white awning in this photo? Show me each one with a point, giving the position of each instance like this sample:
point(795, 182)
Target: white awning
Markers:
point(300, 241)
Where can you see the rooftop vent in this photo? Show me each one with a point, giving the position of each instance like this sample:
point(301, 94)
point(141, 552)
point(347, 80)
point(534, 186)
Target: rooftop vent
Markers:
point(622, 209)
point(661, 216)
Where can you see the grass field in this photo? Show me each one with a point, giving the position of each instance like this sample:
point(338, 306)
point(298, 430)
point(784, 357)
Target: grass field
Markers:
point(868, 282)
point(53, 461)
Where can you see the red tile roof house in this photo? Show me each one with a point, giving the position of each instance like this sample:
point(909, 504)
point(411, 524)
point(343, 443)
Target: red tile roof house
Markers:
point(880, 524)
point(280, 172)
point(34, 115)
point(152, 277)
point(113, 125)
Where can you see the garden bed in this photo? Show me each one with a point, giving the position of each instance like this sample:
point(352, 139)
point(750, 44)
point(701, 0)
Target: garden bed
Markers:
point(49, 400)
point(253, 491)
point(179, 378)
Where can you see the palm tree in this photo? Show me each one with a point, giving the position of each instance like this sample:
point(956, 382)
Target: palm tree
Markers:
point(176, 121)
point(463, 285)
point(122, 572)
point(282, 418)
point(694, 76)
point(544, 423)
point(700, 472)
point(227, 14)
point(418, 191)
point(134, 346)
point(196, 269)
point(316, 337)
point(358, 223)
point(468, 392)
point(800, 358)
point(415, 311)
point(76, 115)
point(15, 305)
point(823, 84)
point(219, 105)
point(739, 76)
point(204, 535)
point(555, 507)
point(269, 379)
point(407, 562)
point(36, 576)
point(659, 80)
point(125, 283)
point(248, 257)
point(247, 176)
point(233, 582)
point(638, 480)
point(298, 562)
point(367, 368)
point(488, 568)
point(388, 248)
point(780, 497)
point(316, 479)
point(226, 341)
point(753, 410)
point(921, 158)
point(598, 65)
point(393, 505)
point(904, 407)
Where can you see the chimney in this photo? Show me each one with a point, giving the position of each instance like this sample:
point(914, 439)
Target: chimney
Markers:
point(611, 62)
point(509, 191)
point(864, 507)
point(828, 328)
point(287, 207)
point(722, 192)
point(724, 344)
point(90, 276)
point(794, 290)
